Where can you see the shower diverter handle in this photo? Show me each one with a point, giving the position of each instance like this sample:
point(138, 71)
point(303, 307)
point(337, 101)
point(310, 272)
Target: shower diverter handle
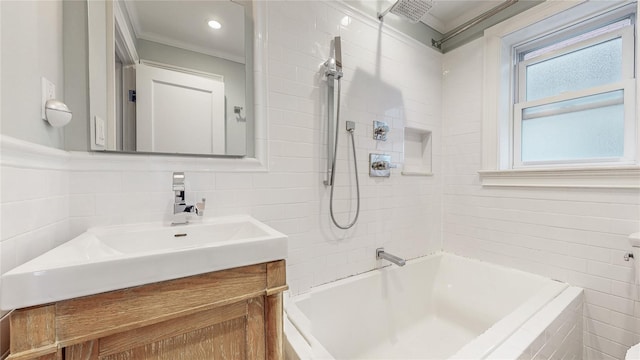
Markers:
point(380, 165)
point(383, 165)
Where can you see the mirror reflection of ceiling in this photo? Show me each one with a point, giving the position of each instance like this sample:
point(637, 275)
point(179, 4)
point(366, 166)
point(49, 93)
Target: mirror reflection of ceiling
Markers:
point(446, 15)
point(183, 24)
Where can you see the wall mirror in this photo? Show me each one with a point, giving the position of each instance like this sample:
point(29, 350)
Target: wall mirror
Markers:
point(179, 77)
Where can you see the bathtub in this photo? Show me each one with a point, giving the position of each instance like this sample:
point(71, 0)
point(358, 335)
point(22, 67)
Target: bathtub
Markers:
point(436, 307)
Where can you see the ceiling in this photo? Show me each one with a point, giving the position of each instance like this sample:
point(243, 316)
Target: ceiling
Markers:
point(446, 15)
point(183, 24)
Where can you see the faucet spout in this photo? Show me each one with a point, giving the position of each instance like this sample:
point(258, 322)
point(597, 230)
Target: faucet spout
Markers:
point(382, 255)
point(180, 207)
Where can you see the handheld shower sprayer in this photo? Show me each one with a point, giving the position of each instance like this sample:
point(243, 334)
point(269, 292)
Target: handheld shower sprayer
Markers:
point(337, 52)
point(333, 72)
point(333, 66)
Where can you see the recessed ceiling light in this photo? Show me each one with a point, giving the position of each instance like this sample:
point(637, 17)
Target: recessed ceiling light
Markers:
point(214, 24)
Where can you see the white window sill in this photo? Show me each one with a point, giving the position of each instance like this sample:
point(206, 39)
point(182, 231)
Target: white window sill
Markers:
point(619, 177)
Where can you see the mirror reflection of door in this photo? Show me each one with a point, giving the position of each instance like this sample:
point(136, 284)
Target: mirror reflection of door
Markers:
point(185, 61)
point(170, 104)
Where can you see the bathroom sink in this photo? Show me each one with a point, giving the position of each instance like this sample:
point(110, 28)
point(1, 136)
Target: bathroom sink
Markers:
point(115, 257)
point(142, 239)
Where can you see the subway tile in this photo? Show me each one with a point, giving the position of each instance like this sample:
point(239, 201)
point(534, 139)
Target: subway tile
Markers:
point(109, 204)
point(14, 222)
point(606, 346)
point(220, 199)
point(19, 184)
point(280, 212)
point(32, 244)
point(283, 101)
point(624, 321)
point(88, 182)
point(8, 258)
point(280, 69)
point(231, 181)
point(295, 164)
point(82, 205)
point(609, 301)
point(292, 134)
point(588, 252)
point(625, 290)
point(594, 354)
point(612, 333)
point(619, 273)
point(597, 312)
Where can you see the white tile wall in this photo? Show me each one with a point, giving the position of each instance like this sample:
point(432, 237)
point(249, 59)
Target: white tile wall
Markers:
point(577, 236)
point(563, 338)
point(555, 332)
point(34, 206)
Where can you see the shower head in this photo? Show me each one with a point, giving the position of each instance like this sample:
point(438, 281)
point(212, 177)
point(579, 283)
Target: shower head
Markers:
point(413, 10)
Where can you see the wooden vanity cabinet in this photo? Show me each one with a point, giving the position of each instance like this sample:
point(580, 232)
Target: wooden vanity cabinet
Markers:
point(228, 314)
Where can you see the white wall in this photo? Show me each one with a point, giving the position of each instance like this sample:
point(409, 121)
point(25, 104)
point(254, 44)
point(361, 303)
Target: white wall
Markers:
point(378, 85)
point(31, 48)
point(573, 235)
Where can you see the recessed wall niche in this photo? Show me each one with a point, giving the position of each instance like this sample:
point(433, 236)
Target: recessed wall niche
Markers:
point(417, 152)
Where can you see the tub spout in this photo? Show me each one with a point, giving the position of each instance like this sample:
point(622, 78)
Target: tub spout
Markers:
point(381, 254)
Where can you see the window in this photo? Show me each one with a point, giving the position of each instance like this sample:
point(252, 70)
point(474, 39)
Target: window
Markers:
point(559, 97)
point(574, 99)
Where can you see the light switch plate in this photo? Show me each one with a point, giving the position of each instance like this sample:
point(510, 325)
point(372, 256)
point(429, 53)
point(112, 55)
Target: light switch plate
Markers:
point(100, 138)
point(48, 93)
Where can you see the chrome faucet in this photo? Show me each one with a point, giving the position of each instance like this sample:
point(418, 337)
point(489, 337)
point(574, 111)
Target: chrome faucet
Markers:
point(180, 207)
point(381, 254)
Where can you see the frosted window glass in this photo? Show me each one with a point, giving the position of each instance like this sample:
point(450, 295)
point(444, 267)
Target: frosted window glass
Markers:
point(574, 40)
point(595, 65)
point(589, 132)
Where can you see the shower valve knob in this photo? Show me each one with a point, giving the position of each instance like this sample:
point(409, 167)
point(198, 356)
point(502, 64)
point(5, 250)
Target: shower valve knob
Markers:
point(380, 165)
point(383, 165)
point(380, 130)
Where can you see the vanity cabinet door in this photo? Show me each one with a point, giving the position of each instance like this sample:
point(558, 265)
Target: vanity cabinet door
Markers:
point(229, 314)
point(234, 331)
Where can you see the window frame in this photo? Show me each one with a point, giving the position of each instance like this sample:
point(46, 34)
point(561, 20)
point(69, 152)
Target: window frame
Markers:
point(499, 41)
point(626, 84)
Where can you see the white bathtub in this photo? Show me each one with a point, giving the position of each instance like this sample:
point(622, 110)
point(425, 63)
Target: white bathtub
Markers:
point(437, 307)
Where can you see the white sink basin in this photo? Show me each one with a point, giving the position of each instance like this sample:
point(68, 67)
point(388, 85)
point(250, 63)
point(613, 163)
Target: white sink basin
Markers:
point(116, 257)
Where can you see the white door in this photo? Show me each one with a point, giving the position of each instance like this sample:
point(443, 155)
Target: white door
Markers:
point(178, 112)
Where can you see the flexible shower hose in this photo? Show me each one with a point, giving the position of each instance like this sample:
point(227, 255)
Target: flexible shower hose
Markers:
point(333, 170)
